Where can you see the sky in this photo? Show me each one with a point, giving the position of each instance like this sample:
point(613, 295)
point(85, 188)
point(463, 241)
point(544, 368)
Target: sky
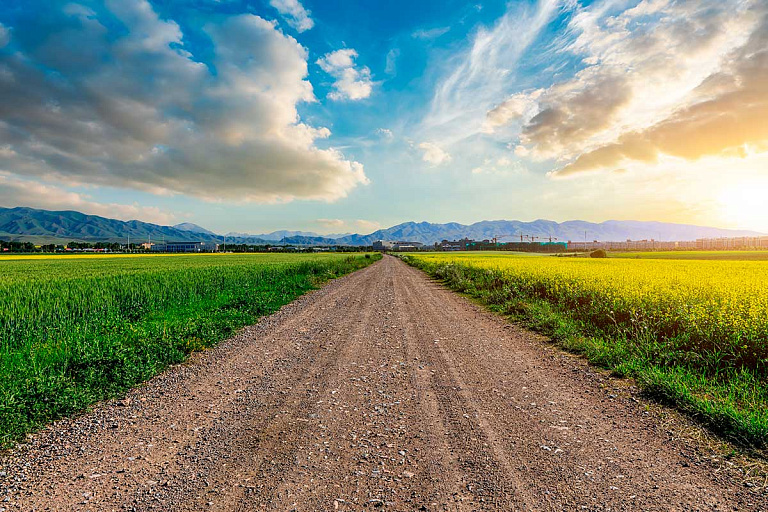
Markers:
point(335, 116)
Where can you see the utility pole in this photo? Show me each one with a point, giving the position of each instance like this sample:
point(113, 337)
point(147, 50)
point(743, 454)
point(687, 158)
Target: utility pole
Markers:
point(129, 242)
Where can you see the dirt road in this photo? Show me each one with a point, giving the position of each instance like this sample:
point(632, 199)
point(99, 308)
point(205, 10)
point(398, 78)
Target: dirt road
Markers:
point(382, 390)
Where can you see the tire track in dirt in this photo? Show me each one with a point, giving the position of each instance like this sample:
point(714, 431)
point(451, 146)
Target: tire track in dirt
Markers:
point(309, 401)
point(486, 478)
point(480, 408)
point(370, 453)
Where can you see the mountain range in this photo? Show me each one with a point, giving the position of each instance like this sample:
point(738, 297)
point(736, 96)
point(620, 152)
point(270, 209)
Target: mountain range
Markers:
point(285, 233)
point(575, 230)
point(43, 226)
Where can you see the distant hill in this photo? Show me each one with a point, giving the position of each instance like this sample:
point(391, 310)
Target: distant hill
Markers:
point(43, 226)
point(310, 240)
point(282, 234)
point(30, 224)
point(510, 230)
point(193, 228)
point(275, 236)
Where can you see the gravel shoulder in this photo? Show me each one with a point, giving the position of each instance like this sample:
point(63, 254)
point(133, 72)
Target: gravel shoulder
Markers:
point(381, 390)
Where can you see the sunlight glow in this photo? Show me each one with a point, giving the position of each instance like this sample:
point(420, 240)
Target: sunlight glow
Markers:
point(746, 204)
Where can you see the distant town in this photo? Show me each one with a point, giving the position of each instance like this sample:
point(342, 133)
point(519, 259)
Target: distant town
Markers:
point(549, 245)
point(525, 244)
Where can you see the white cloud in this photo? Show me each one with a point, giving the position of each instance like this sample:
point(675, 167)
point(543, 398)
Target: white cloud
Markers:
point(518, 107)
point(294, 13)
point(434, 154)
point(660, 77)
point(367, 226)
point(429, 34)
point(503, 166)
point(135, 109)
point(385, 133)
point(351, 83)
point(390, 66)
point(331, 223)
point(477, 78)
point(359, 225)
point(17, 192)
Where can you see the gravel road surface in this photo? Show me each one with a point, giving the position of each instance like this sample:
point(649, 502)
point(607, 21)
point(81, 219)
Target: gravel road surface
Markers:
point(382, 390)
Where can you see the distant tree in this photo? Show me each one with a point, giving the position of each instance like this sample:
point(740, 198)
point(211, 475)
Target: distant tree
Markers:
point(600, 253)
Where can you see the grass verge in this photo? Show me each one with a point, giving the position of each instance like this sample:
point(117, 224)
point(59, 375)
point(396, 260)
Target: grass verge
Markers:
point(732, 402)
point(77, 332)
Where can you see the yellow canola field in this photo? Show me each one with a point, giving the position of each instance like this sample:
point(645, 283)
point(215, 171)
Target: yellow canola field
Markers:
point(718, 307)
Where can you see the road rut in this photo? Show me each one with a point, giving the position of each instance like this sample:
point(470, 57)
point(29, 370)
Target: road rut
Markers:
point(383, 390)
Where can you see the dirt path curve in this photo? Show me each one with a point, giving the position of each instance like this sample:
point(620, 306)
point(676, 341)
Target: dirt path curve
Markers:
point(382, 390)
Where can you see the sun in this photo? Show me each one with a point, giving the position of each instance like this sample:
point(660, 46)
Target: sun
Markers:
point(746, 205)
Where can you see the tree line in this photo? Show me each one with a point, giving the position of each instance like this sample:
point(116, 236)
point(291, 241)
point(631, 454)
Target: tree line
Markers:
point(29, 247)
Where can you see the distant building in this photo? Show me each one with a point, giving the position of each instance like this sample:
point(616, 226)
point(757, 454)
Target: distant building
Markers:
point(702, 244)
point(387, 245)
point(407, 246)
point(455, 245)
point(185, 247)
point(735, 243)
point(382, 245)
point(467, 244)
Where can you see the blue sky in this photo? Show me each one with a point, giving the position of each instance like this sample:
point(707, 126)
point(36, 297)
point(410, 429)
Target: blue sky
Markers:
point(337, 116)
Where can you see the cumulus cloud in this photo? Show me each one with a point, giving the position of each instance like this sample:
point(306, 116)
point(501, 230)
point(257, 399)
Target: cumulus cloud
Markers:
point(579, 113)
point(385, 133)
point(18, 192)
point(434, 154)
point(685, 79)
point(518, 107)
point(294, 13)
point(129, 106)
point(351, 83)
point(726, 117)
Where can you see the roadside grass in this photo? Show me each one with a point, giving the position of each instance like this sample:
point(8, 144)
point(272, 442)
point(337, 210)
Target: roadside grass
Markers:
point(74, 332)
point(729, 399)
